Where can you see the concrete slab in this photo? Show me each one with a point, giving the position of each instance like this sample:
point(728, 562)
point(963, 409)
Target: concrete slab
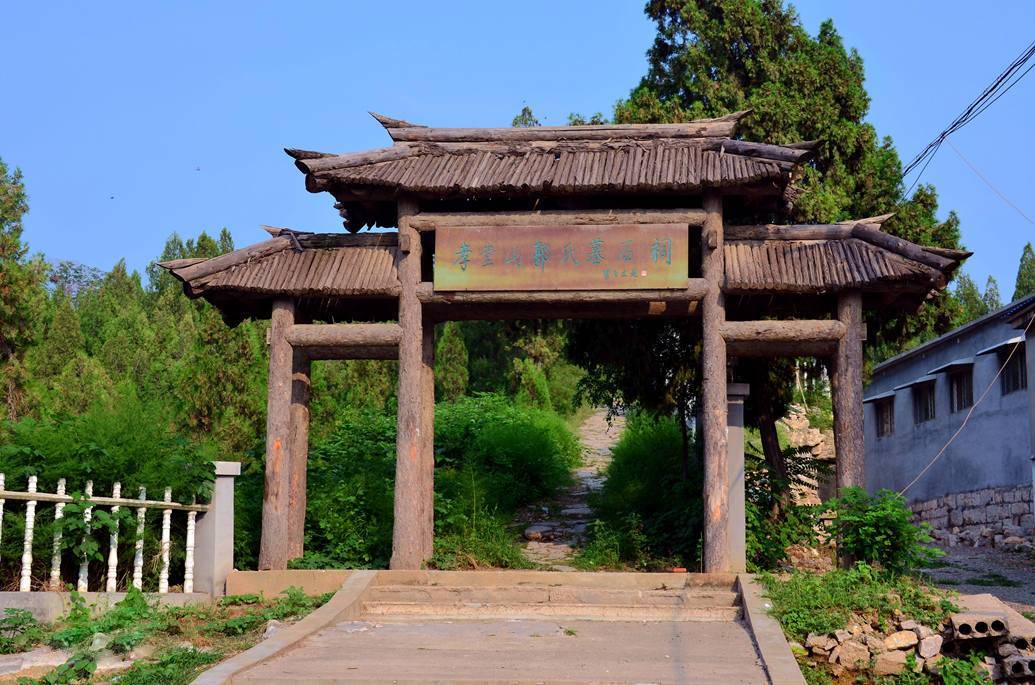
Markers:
point(48, 607)
point(272, 583)
point(529, 651)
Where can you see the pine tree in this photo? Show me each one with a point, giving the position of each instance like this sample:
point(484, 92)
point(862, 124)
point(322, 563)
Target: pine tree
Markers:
point(451, 363)
point(21, 292)
point(993, 302)
point(971, 304)
point(1025, 274)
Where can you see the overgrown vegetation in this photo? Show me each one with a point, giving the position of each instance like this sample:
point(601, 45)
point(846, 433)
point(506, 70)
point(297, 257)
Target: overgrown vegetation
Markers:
point(211, 633)
point(806, 603)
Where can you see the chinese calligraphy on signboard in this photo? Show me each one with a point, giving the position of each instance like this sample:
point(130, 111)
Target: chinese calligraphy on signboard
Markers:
point(604, 257)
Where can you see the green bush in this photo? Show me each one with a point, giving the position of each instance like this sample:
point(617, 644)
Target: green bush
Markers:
point(563, 380)
point(646, 497)
point(769, 537)
point(531, 388)
point(878, 529)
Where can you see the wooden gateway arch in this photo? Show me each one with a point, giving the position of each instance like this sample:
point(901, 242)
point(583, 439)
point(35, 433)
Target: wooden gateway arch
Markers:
point(623, 221)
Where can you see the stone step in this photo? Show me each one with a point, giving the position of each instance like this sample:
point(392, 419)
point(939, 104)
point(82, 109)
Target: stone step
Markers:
point(542, 594)
point(474, 611)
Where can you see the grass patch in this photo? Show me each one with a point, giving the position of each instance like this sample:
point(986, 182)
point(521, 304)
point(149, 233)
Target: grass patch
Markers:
point(212, 632)
point(806, 603)
point(992, 580)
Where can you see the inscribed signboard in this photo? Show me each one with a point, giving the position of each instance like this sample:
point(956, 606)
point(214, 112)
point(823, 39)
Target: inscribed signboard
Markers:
point(600, 257)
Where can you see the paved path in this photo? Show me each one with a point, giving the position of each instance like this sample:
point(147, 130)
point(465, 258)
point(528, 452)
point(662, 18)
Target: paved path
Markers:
point(1008, 575)
point(555, 531)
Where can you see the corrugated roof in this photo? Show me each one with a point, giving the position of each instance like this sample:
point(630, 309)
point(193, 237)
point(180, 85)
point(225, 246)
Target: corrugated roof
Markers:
point(450, 163)
point(817, 266)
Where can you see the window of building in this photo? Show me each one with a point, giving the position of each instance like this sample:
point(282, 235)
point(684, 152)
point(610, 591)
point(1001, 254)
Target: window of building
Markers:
point(923, 402)
point(885, 417)
point(1015, 373)
point(961, 389)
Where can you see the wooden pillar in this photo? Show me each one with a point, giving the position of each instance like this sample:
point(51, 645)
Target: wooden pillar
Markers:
point(713, 392)
point(847, 393)
point(428, 432)
point(300, 392)
point(412, 536)
point(274, 549)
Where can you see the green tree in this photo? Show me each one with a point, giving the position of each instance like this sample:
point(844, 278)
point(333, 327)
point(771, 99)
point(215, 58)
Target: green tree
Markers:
point(525, 118)
point(971, 303)
point(451, 363)
point(21, 292)
point(991, 297)
point(1025, 274)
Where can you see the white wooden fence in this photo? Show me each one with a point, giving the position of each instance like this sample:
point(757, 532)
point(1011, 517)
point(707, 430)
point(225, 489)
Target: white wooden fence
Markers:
point(217, 550)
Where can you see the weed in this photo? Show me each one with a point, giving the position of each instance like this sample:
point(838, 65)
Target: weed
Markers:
point(570, 632)
point(963, 671)
point(804, 603)
point(80, 667)
point(238, 600)
point(177, 666)
point(20, 631)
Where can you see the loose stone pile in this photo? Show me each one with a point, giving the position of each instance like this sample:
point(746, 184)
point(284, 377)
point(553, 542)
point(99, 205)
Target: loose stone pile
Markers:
point(864, 647)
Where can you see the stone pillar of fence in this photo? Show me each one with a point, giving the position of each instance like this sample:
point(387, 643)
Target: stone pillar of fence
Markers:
point(214, 551)
point(736, 528)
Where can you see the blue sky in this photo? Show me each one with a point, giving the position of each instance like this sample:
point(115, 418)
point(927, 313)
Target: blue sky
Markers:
point(134, 120)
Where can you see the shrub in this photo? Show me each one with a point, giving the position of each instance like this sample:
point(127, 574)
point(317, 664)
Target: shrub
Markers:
point(769, 537)
point(563, 382)
point(646, 495)
point(878, 529)
point(531, 388)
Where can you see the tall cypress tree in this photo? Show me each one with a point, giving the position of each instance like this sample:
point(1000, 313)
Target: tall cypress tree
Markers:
point(971, 303)
point(1025, 284)
point(991, 298)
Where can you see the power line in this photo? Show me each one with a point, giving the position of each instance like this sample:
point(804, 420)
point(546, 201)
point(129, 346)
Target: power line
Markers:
point(1002, 84)
point(989, 183)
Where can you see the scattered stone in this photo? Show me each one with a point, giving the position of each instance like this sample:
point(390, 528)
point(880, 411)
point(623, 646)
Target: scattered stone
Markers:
point(143, 651)
point(272, 628)
point(908, 625)
point(854, 655)
point(841, 636)
point(923, 631)
point(99, 642)
point(797, 648)
point(108, 661)
point(903, 639)
point(890, 663)
point(1007, 649)
point(816, 641)
point(874, 644)
point(930, 646)
point(834, 654)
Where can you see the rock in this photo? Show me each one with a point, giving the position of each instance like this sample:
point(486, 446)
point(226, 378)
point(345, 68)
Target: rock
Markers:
point(930, 646)
point(797, 648)
point(842, 635)
point(874, 644)
point(108, 661)
point(933, 665)
point(908, 625)
point(143, 651)
point(903, 639)
point(99, 642)
point(890, 663)
point(923, 631)
point(834, 654)
point(814, 640)
point(1013, 541)
point(854, 655)
point(1007, 649)
point(272, 628)
point(536, 532)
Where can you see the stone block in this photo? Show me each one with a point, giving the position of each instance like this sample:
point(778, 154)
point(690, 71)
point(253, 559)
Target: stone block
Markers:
point(889, 663)
point(955, 517)
point(930, 646)
point(854, 655)
point(903, 639)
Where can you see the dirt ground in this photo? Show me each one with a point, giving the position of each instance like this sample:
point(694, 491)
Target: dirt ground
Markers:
point(1010, 576)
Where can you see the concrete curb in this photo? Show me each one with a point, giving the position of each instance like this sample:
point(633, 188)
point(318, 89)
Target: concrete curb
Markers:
point(345, 605)
point(777, 659)
point(48, 607)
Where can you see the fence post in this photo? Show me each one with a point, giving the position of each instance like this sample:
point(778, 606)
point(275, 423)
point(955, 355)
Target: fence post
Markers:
point(214, 551)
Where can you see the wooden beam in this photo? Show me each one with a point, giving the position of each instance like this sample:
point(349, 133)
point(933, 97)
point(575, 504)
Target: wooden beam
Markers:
point(805, 348)
point(353, 159)
point(847, 394)
point(722, 127)
point(344, 335)
point(320, 353)
point(301, 388)
point(795, 331)
point(274, 544)
point(429, 221)
point(789, 232)
point(510, 311)
point(903, 247)
point(412, 536)
point(713, 394)
point(695, 290)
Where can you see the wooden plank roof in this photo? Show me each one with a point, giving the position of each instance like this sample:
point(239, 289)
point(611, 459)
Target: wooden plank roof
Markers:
point(334, 272)
point(561, 161)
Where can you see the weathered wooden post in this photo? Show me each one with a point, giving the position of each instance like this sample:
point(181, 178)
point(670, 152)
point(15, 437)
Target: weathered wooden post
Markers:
point(413, 534)
point(274, 547)
point(300, 393)
point(713, 392)
point(847, 393)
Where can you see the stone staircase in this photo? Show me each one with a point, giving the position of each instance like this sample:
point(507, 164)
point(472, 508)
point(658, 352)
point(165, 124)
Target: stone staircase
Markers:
point(663, 597)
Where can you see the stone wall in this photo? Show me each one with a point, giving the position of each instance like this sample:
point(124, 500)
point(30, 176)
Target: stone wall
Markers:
point(992, 517)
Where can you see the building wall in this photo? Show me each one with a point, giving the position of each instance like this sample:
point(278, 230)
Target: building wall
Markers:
point(993, 451)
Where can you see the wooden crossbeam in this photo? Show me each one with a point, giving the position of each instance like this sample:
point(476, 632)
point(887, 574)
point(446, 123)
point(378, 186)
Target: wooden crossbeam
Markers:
point(346, 335)
point(428, 221)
